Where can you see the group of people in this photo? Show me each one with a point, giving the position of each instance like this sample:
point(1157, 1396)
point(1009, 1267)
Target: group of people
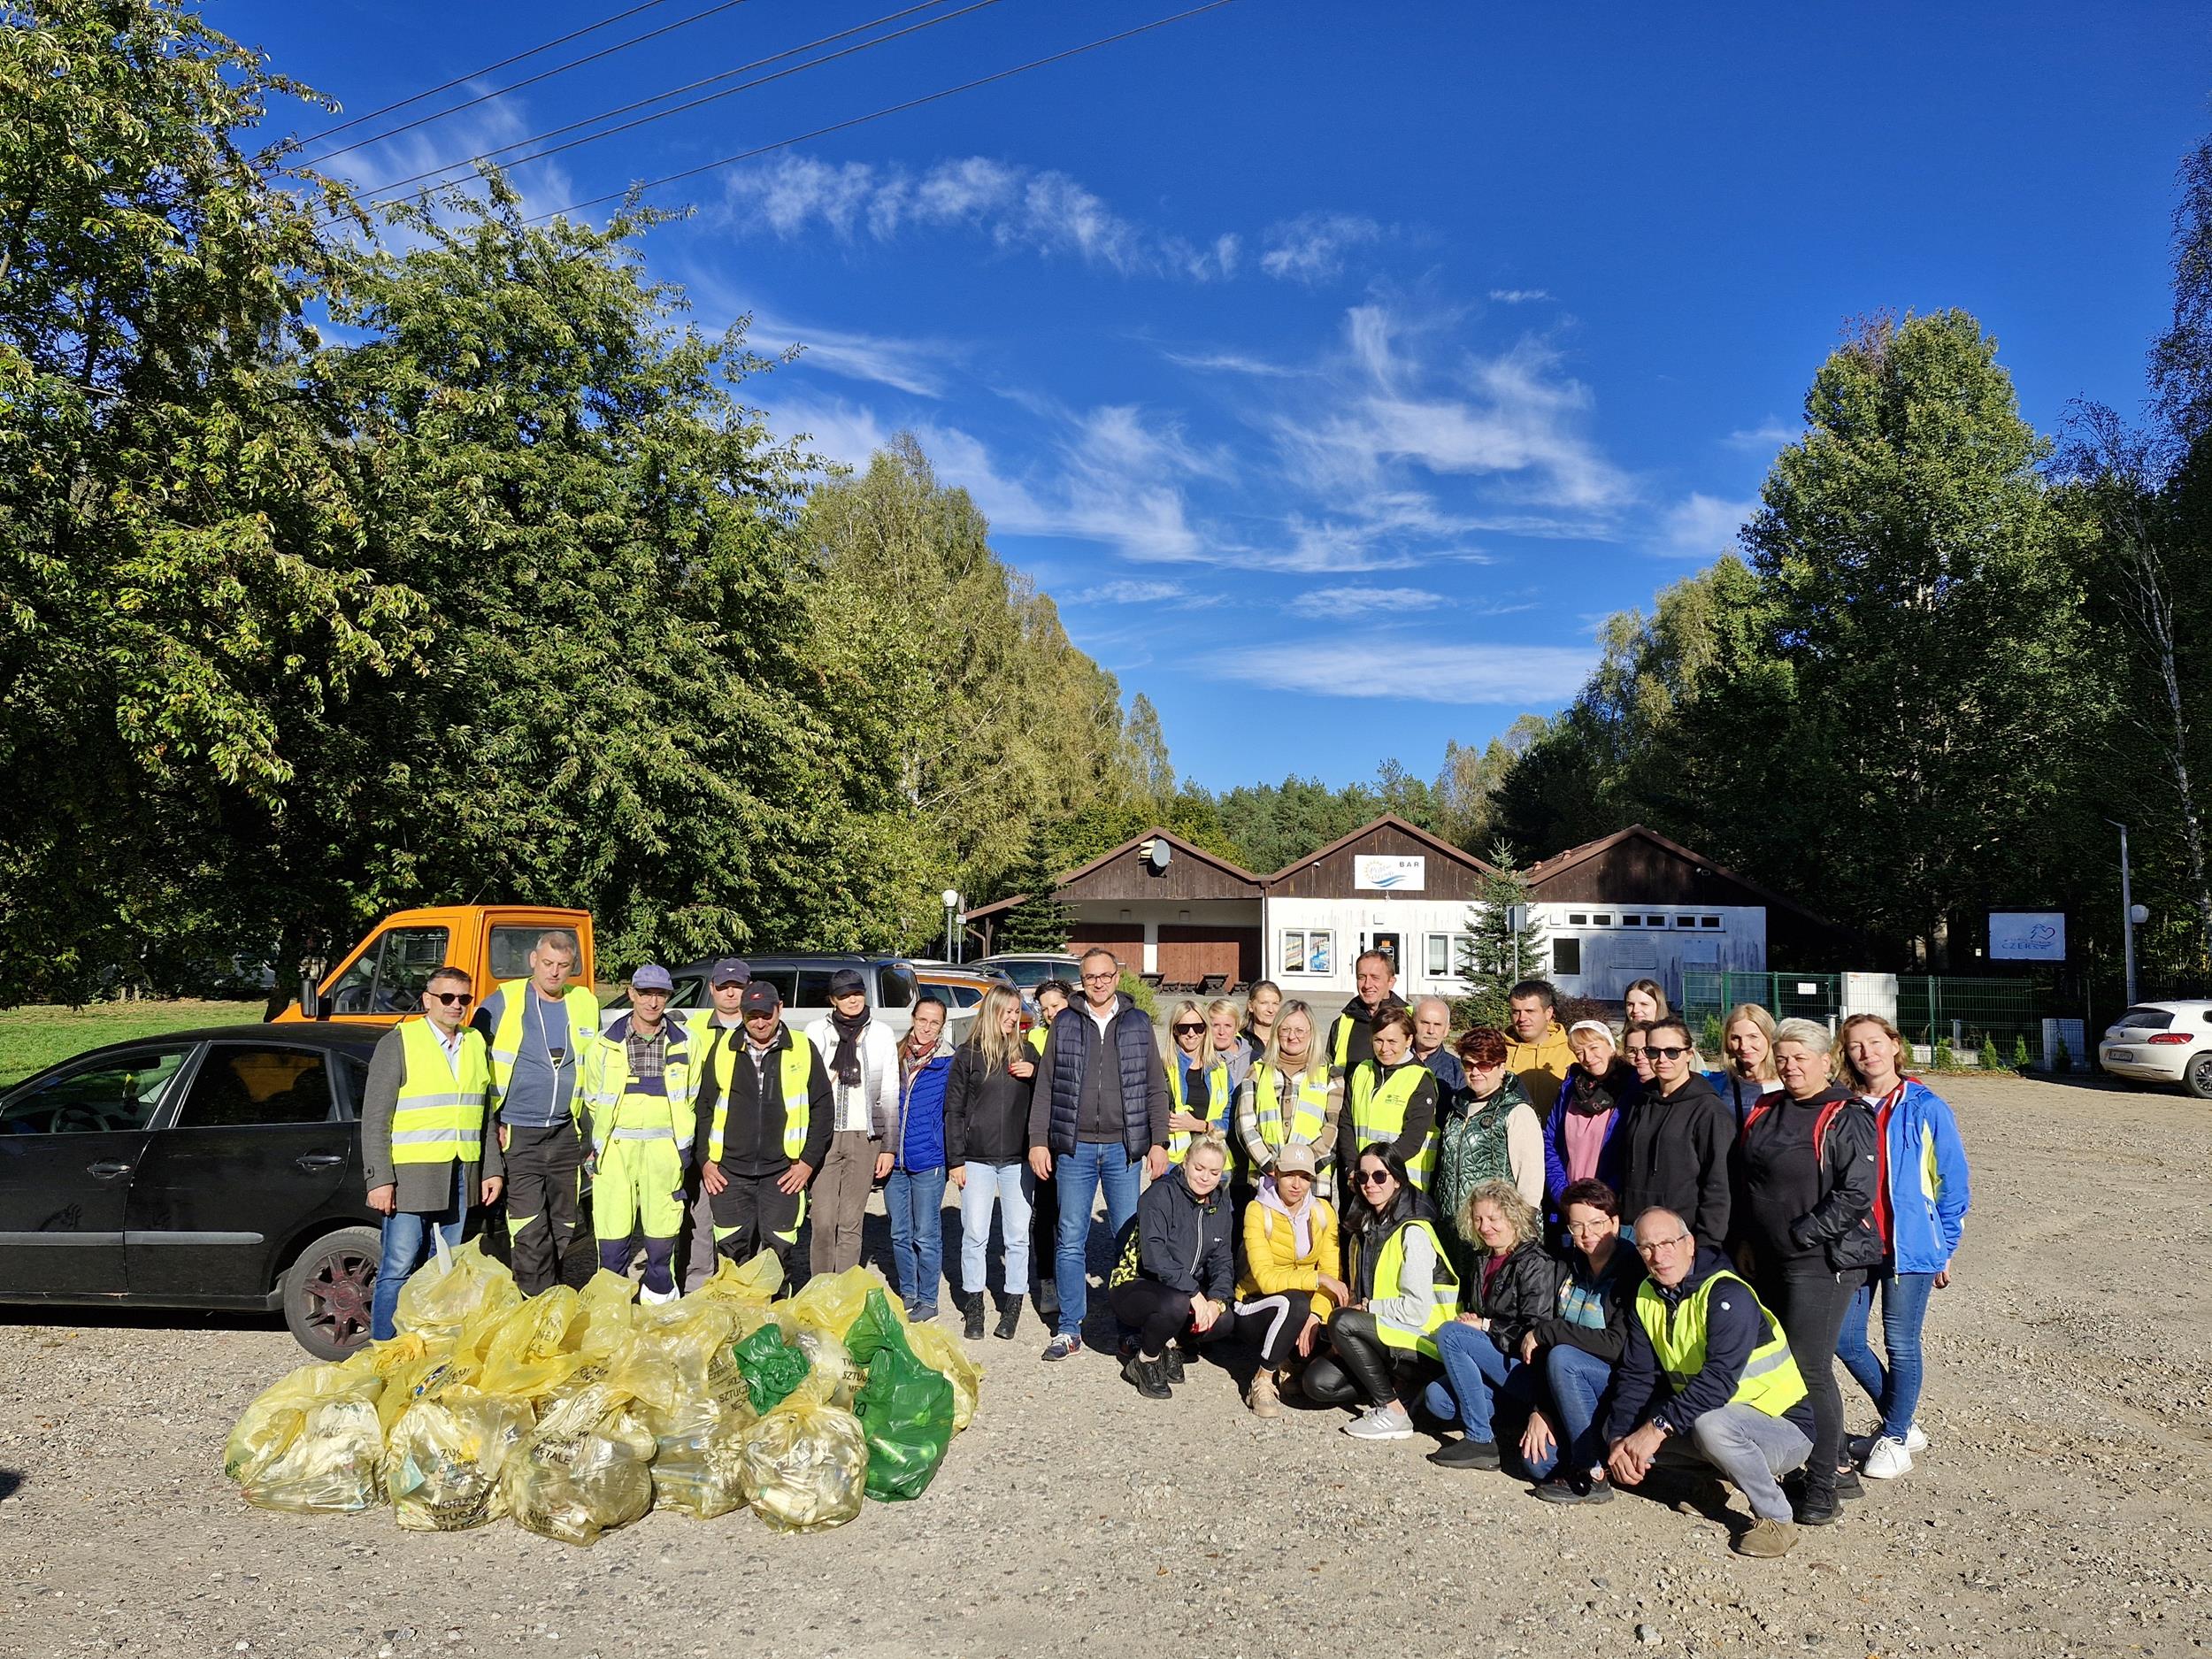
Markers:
point(1600, 1263)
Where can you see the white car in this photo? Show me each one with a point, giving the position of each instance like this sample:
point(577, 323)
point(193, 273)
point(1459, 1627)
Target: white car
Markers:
point(2161, 1042)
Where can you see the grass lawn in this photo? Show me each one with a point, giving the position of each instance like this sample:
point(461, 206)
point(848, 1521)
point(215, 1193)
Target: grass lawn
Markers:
point(36, 1037)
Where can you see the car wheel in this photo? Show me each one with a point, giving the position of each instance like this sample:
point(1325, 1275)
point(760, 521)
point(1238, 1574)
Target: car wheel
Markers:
point(327, 1291)
point(2197, 1078)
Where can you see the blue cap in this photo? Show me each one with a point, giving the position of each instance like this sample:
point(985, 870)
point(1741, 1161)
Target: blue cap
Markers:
point(652, 977)
point(731, 971)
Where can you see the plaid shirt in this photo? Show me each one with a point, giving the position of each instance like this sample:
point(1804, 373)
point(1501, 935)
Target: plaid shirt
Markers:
point(647, 1055)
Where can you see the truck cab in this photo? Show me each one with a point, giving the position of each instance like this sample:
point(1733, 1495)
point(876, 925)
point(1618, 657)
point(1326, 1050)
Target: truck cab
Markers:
point(380, 982)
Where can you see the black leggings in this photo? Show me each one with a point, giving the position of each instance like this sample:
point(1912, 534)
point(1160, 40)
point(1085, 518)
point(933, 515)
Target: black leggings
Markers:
point(1811, 1307)
point(1160, 1315)
point(1355, 1367)
point(1277, 1320)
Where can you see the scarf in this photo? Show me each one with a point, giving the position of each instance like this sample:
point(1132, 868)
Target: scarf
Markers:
point(1301, 1218)
point(1589, 1096)
point(845, 1064)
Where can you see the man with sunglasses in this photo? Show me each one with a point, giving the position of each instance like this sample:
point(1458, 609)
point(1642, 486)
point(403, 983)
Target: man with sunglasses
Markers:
point(1677, 1140)
point(425, 1152)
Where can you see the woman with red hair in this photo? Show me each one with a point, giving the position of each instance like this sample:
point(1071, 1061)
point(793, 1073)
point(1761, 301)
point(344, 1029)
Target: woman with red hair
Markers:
point(1490, 1133)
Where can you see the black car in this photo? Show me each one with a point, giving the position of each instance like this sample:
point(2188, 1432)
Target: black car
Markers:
point(208, 1168)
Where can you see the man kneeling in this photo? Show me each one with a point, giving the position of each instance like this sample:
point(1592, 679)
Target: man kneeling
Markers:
point(1708, 1379)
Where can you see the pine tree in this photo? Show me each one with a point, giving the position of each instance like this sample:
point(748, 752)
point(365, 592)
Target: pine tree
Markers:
point(1491, 959)
point(1043, 923)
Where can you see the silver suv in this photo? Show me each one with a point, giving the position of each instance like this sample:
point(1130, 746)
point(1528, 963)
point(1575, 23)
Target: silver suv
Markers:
point(803, 982)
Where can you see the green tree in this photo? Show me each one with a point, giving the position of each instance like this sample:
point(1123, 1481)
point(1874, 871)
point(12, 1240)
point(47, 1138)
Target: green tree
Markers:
point(1043, 923)
point(1492, 957)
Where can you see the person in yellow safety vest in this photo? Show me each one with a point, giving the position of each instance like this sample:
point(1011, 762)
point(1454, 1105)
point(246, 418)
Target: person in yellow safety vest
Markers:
point(424, 1154)
point(1044, 1207)
point(716, 1031)
point(1391, 1097)
point(1198, 1090)
point(768, 1133)
point(1351, 1035)
point(1402, 1289)
point(1707, 1380)
point(1536, 1051)
point(637, 1083)
point(1290, 1096)
point(539, 1029)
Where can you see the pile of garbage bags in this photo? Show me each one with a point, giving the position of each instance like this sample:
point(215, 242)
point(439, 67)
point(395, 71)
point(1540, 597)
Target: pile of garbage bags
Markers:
point(574, 1411)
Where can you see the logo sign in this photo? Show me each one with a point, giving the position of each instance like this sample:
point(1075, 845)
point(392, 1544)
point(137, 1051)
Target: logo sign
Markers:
point(1381, 872)
point(2027, 935)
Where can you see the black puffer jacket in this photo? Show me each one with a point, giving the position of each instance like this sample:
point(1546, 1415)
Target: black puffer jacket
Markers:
point(986, 1109)
point(1522, 1294)
point(1179, 1239)
point(1839, 1223)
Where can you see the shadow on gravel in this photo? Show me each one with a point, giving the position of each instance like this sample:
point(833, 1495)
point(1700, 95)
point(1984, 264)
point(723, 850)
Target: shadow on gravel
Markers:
point(16, 1315)
point(10, 1483)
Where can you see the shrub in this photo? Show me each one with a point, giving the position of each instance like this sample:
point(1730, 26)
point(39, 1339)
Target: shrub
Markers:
point(2061, 1063)
point(1711, 1043)
point(1568, 1010)
point(1944, 1060)
point(2021, 1060)
point(1988, 1057)
point(1139, 993)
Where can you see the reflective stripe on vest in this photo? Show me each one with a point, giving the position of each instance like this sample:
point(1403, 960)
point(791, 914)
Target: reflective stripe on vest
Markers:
point(660, 1110)
point(1443, 1290)
point(797, 1069)
point(579, 1004)
point(1308, 1118)
point(1379, 1114)
point(1771, 1382)
point(440, 1115)
point(1216, 1111)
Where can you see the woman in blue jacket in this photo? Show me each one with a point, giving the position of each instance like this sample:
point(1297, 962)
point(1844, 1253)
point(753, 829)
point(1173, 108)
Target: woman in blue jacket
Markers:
point(914, 1191)
point(1920, 1211)
point(1600, 1090)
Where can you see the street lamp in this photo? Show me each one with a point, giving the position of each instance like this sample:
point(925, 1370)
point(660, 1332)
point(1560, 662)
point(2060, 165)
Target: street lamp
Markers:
point(952, 910)
point(2130, 912)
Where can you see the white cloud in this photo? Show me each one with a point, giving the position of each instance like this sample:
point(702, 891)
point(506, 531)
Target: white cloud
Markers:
point(1389, 665)
point(1016, 208)
point(1766, 437)
point(495, 126)
point(1519, 297)
point(1701, 526)
point(1233, 363)
point(1131, 593)
point(836, 430)
point(1356, 601)
point(1311, 249)
point(917, 368)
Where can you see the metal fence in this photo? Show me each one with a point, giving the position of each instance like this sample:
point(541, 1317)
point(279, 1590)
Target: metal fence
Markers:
point(1927, 1008)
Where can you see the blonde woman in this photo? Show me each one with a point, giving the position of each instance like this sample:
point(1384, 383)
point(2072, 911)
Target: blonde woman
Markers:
point(986, 1146)
point(1228, 1042)
point(1749, 1077)
point(1290, 1096)
point(1198, 1097)
point(1513, 1288)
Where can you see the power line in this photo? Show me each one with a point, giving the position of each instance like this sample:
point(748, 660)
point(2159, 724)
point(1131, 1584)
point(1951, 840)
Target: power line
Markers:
point(592, 138)
point(877, 115)
point(527, 81)
point(589, 28)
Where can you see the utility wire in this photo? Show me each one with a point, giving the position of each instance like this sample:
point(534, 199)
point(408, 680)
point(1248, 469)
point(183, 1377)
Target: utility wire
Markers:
point(527, 81)
point(877, 115)
point(417, 97)
point(593, 138)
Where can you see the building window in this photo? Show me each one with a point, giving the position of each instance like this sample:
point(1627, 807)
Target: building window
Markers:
point(1566, 956)
point(1708, 921)
point(1631, 921)
point(1445, 951)
point(1309, 950)
point(1603, 919)
point(1686, 921)
point(1577, 919)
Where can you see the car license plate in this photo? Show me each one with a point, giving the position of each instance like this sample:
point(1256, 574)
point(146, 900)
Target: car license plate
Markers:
point(2122, 1054)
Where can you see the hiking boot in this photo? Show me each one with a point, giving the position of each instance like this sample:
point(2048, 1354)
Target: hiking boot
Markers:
point(1145, 1373)
point(1576, 1489)
point(1063, 1346)
point(1888, 1459)
point(1263, 1397)
point(1464, 1452)
point(1008, 1317)
point(1381, 1423)
point(973, 1329)
point(1171, 1362)
point(1766, 1540)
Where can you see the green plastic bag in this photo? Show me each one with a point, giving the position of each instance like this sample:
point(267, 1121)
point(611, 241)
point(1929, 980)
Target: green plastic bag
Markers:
point(772, 1368)
point(876, 1325)
point(906, 1413)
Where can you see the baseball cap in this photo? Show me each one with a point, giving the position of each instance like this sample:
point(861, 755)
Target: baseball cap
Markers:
point(760, 998)
point(652, 977)
point(1295, 1159)
point(731, 971)
point(847, 982)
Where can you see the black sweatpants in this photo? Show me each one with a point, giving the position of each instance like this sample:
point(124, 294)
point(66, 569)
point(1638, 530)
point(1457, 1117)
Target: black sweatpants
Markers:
point(1811, 1307)
point(543, 1200)
point(1160, 1315)
point(1277, 1320)
point(751, 1214)
point(1044, 1247)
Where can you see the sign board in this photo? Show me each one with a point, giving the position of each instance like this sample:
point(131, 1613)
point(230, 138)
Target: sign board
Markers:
point(1389, 872)
point(2027, 935)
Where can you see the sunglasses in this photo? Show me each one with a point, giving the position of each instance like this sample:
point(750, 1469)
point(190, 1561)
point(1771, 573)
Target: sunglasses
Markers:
point(1657, 1053)
point(1188, 1031)
point(1373, 1177)
point(450, 997)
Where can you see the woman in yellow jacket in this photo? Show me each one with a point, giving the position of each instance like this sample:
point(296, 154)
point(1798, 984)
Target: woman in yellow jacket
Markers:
point(1286, 1288)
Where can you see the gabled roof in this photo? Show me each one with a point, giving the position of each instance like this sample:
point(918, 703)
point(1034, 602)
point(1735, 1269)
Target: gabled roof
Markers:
point(1389, 820)
point(1157, 832)
point(1559, 863)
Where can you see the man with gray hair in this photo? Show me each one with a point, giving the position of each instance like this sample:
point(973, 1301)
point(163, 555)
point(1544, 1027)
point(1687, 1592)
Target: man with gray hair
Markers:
point(539, 1028)
point(1432, 1047)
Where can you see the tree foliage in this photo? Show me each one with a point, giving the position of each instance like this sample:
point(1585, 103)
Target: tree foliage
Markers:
point(1492, 956)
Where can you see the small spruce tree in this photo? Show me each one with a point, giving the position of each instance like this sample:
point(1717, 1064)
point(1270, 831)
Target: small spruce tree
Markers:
point(1990, 1060)
point(1491, 959)
point(2061, 1063)
point(1043, 923)
point(2021, 1059)
point(1944, 1059)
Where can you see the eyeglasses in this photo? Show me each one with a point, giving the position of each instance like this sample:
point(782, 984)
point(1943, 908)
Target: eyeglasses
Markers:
point(1579, 1228)
point(1100, 978)
point(449, 997)
point(1649, 1248)
point(1373, 1177)
point(1657, 1053)
point(1188, 1031)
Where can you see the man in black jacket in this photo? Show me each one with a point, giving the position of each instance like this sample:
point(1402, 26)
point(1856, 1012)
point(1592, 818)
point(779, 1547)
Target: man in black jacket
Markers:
point(1679, 1142)
point(769, 1131)
point(1352, 1033)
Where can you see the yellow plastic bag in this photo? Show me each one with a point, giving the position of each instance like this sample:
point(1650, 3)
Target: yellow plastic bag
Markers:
point(444, 1457)
point(610, 1310)
point(831, 1301)
point(832, 1376)
point(441, 1294)
point(586, 1469)
point(303, 1445)
point(424, 1365)
point(532, 1349)
point(935, 1348)
point(698, 1466)
point(805, 1467)
point(757, 1281)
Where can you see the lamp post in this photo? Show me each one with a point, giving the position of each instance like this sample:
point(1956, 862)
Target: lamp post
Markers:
point(2127, 908)
point(952, 911)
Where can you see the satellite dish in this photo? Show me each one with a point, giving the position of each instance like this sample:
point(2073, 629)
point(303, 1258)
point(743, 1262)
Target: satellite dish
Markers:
point(1155, 854)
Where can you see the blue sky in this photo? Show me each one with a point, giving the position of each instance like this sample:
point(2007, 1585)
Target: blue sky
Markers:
point(1337, 367)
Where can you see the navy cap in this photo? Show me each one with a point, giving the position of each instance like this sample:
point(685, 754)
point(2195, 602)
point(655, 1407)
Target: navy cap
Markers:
point(731, 971)
point(760, 998)
point(847, 982)
point(652, 977)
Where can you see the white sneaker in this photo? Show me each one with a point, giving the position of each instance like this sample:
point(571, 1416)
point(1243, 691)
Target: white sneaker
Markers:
point(1915, 1440)
point(1379, 1423)
point(1887, 1461)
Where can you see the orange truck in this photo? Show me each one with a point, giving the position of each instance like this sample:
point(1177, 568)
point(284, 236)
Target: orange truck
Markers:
point(379, 981)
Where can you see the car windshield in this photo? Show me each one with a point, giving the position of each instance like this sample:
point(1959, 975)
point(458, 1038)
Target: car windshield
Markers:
point(1028, 975)
point(2147, 1019)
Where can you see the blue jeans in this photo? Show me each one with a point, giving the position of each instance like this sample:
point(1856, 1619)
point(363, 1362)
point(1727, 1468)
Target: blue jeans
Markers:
point(1895, 1389)
point(915, 1199)
point(1477, 1374)
point(407, 1241)
point(1010, 1187)
point(1080, 1174)
point(1575, 1381)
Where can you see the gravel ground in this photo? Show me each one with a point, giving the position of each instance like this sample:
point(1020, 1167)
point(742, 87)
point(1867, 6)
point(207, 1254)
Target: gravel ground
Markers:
point(2059, 1511)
